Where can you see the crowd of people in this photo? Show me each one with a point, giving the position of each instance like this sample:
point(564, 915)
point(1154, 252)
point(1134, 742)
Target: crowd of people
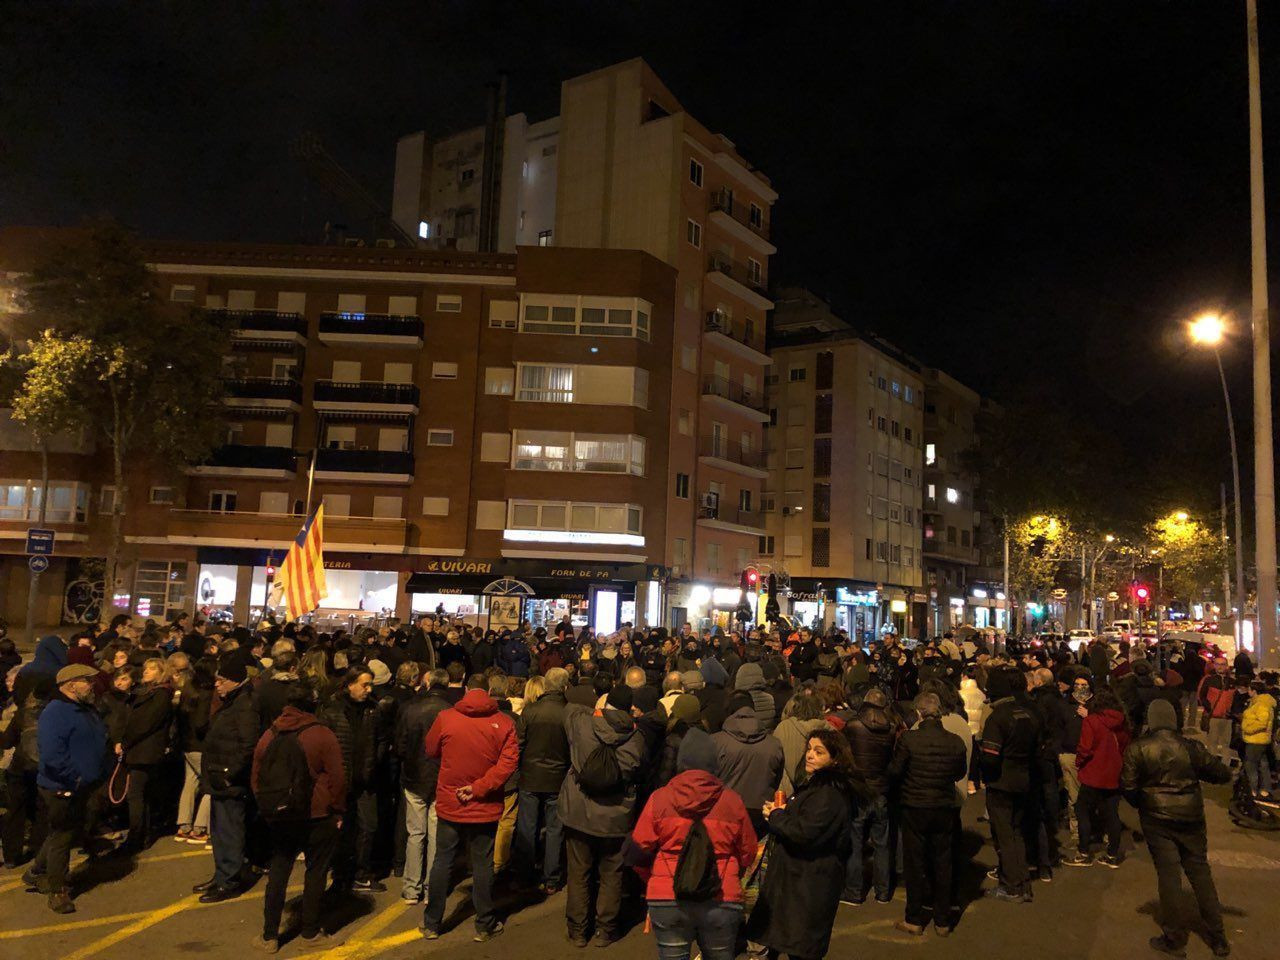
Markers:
point(743, 784)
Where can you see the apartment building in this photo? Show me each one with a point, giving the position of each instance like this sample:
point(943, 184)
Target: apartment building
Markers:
point(624, 166)
point(843, 500)
point(478, 426)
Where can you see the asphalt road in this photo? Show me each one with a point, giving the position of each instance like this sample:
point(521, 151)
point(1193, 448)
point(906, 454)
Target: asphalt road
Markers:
point(128, 909)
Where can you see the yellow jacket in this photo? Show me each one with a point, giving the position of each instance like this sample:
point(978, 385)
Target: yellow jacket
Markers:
point(1259, 716)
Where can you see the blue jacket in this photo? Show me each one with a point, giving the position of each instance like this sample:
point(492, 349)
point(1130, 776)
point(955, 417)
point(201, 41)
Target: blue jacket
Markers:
point(50, 656)
point(514, 658)
point(73, 746)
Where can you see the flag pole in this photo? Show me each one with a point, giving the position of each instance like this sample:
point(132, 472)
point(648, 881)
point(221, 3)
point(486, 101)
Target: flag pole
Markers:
point(311, 479)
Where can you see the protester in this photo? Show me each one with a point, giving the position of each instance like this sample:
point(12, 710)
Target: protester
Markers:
point(544, 762)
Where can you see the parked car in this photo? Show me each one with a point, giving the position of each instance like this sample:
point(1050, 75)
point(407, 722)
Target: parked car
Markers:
point(1079, 637)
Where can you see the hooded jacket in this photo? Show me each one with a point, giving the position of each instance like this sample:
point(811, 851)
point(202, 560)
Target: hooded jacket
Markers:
point(1100, 753)
point(73, 745)
point(324, 760)
point(608, 815)
point(793, 734)
point(1258, 722)
point(665, 823)
point(750, 758)
point(50, 657)
point(750, 678)
point(476, 744)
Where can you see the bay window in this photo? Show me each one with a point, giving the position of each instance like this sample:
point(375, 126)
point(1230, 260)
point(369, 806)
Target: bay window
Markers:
point(574, 522)
point(579, 452)
point(585, 316)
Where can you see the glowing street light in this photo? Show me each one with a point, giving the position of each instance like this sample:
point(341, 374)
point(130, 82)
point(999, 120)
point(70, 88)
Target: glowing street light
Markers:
point(1182, 516)
point(1208, 329)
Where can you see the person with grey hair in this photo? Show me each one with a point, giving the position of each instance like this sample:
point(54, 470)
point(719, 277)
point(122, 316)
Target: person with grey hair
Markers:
point(635, 678)
point(927, 762)
point(418, 776)
point(544, 762)
point(672, 687)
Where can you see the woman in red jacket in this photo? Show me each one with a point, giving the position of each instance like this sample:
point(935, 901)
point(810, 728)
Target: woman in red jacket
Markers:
point(694, 793)
point(1104, 734)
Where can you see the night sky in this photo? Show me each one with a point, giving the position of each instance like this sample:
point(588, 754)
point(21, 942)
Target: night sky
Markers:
point(1028, 194)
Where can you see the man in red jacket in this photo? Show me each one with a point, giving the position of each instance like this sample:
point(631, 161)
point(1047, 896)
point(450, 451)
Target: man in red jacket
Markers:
point(478, 752)
point(316, 838)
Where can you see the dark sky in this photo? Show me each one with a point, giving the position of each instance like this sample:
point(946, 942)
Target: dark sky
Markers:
point(1030, 194)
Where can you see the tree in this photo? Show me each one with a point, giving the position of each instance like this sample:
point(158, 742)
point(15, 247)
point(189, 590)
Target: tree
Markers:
point(149, 384)
point(1037, 545)
point(1190, 553)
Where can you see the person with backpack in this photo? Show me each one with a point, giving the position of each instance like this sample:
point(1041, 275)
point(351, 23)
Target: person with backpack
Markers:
point(300, 786)
point(696, 837)
point(596, 804)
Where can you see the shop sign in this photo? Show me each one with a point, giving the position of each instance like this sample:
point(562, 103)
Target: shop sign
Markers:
point(457, 566)
point(337, 564)
point(798, 597)
point(858, 598)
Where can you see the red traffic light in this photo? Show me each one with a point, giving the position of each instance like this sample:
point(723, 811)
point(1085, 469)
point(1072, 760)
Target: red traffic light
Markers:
point(1142, 592)
point(753, 577)
point(271, 572)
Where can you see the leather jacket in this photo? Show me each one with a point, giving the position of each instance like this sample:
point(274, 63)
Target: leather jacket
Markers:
point(1161, 776)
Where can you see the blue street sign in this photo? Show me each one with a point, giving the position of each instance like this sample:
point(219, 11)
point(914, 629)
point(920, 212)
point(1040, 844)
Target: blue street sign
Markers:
point(40, 542)
point(38, 563)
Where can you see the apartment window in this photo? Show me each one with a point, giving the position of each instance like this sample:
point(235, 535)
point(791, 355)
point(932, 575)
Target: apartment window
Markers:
point(822, 413)
point(765, 547)
point(693, 233)
point(895, 513)
point(882, 551)
point(544, 238)
point(867, 547)
point(444, 371)
point(182, 294)
point(966, 537)
point(695, 172)
point(906, 475)
point(605, 518)
point(679, 551)
point(909, 395)
point(756, 216)
point(895, 553)
point(882, 465)
point(713, 558)
point(338, 437)
point(499, 381)
point(68, 502)
point(744, 500)
point(793, 500)
point(439, 438)
point(504, 314)
point(908, 516)
point(871, 416)
point(795, 458)
point(491, 514)
point(882, 508)
point(792, 545)
point(579, 452)
point(467, 175)
point(930, 454)
point(689, 358)
point(768, 502)
point(682, 486)
point(951, 535)
point(222, 501)
point(896, 388)
point(930, 492)
point(882, 424)
point(895, 429)
point(742, 556)
point(953, 495)
point(822, 457)
point(545, 383)
point(822, 503)
point(435, 506)
point(391, 507)
point(586, 316)
point(161, 495)
point(495, 447)
point(106, 500)
point(755, 271)
point(906, 434)
point(684, 423)
point(882, 383)
point(797, 374)
point(424, 230)
point(908, 557)
point(824, 374)
point(585, 383)
point(448, 303)
point(820, 548)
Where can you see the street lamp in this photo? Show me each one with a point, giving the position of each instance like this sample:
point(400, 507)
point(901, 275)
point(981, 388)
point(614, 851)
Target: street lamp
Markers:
point(1209, 330)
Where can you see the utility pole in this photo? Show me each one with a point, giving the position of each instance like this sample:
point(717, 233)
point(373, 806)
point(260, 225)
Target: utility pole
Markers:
point(1008, 597)
point(1080, 619)
point(1264, 489)
point(1226, 564)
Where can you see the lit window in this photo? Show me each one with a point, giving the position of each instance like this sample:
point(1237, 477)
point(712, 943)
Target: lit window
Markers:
point(930, 454)
point(953, 495)
point(931, 492)
point(424, 230)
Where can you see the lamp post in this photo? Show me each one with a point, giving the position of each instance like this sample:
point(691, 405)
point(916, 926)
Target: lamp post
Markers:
point(1209, 330)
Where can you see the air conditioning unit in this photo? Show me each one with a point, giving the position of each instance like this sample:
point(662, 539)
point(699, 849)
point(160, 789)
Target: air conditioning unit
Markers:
point(786, 511)
point(710, 501)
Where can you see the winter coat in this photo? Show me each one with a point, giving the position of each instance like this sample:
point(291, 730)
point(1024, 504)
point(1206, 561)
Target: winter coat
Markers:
point(50, 657)
point(669, 815)
point(476, 744)
point(582, 693)
point(1010, 741)
point(23, 735)
point(194, 717)
point(544, 745)
point(324, 760)
point(271, 696)
point(1215, 694)
point(871, 737)
point(750, 759)
point(1099, 662)
point(145, 739)
point(750, 677)
point(1099, 755)
point(227, 760)
point(802, 884)
point(419, 773)
point(607, 815)
point(449, 652)
point(1161, 776)
point(974, 699)
point(514, 657)
point(1258, 722)
point(72, 740)
point(927, 762)
point(793, 734)
point(356, 725)
point(713, 701)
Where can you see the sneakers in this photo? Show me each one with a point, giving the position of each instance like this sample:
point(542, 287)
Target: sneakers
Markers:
point(266, 946)
point(1079, 860)
point(1163, 944)
point(1004, 894)
point(429, 933)
point(409, 896)
point(603, 940)
point(198, 837)
point(182, 835)
point(316, 936)
point(912, 928)
point(60, 902)
point(369, 885)
point(484, 936)
point(1045, 874)
point(851, 900)
point(884, 898)
point(1111, 862)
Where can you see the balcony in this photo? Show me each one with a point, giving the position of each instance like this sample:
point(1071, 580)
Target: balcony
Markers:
point(367, 395)
point(736, 279)
point(940, 549)
point(371, 329)
point(721, 330)
point(370, 466)
point(735, 219)
point(735, 397)
point(277, 531)
point(242, 460)
point(718, 517)
point(264, 325)
point(274, 393)
point(719, 452)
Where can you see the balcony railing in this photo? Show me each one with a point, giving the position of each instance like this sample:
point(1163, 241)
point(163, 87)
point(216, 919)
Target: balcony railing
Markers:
point(263, 388)
point(244, 456)
point(736, 271)
point(723, 201)
point(723, 324)
point(364, 461)
point(938, 547)
point(264, 321)
point(370, 325)
point(713, 386)
point(743, 518)
point(198, 525)
point(398, 394)
point(722, 449)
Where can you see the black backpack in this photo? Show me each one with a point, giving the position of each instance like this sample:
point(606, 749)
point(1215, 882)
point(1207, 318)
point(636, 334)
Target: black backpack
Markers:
point(696, 876)
point(284, 778)
point(600, 774)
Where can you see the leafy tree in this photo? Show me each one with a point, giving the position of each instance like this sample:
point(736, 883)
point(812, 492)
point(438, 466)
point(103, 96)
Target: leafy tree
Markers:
point(1190, 552)
point(149, 383)
point(1037, 545)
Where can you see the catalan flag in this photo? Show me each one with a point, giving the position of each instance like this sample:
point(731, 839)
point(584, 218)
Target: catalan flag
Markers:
point(300, 578)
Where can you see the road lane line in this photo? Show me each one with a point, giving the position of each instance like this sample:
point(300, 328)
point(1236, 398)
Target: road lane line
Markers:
point(371, 928)
point(80, 861)
point(72, 925)
point(138, 926)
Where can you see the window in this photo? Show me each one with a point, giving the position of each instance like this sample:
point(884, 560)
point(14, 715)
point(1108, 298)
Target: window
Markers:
point(867, 547)
point(756, 216)
point(402, 305)
point(906, 475)
point(765, 548)
point(882, 424)
point(679, 550)
point(744, 500)
point(620, 519)
point(908, 516)
point(393, 439)
point(909, 395)
point(930, 454)
point(895, 388)
point(755, 272)
point(895, 428)
point(895, 553)
point(695, 172)
point(825, 372)
point(822, 457)
point(491, 514)
point(882, 383)
point(966, 537)
point(222, 501)
point(106, 501)
point(822, 503)
point(684, 423)
point(713, 558)
point(544, 238)
point(159, 586)
point(797, 374)
point(439, 438)
point(424, 230)
point(908, 557)
point(930, 492)
point(495, 447)
point(435, 506)
point(882, 551)
point(906, 434)
point(586, 316)
point(794, 458)
point(792, 545)
point(682, 486)
point(388, 507)
point(444, 371)
point(161, 495)
point(504, 314)
point(689, 358)
point(951, 535)
point(567, 452)
point(882, 465)
point(820, 549)
point(545, 383)
point(822, 413)
point(182, 294)
point(499, 381)
point(768, 502)
point(693, 233)
point(448, 303)
point(895, 513)
point(953, 495)
point(68, 502)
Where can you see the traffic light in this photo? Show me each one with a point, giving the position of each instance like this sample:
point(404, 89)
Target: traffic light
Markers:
point(750, 580)
point(1142, 593)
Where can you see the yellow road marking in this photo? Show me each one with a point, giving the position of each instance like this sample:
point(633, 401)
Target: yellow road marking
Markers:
point(361, 943)
point(80, 861)
point(139, 925)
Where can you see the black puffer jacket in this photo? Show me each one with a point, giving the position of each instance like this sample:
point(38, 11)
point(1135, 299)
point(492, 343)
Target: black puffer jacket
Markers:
point(871, 738)
point(194, 717)
point(228, 746)
point(146, 729)
point(1162, 773)
point(1010, 745)
point(544, 745)
point(926, 765)
point(356, 726)
point(418, 772)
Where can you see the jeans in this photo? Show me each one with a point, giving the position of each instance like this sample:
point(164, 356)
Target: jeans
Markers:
point(1176, 850)
point(601, 856)
point(1096, 804)
point(1257, 767)
point(316, 839)
point(478, 838)
point(189, 813)
point(534, 808)
point(65, 815)
point(928, 836)
point(227, 831)
point(870, 819)
point(1219, 739)
point(677, 924)
point(354, 859)
point(1008, 812)
point(420, 842)
point(1070, 780)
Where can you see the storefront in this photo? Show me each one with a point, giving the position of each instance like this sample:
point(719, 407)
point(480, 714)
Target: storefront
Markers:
point(986, 607)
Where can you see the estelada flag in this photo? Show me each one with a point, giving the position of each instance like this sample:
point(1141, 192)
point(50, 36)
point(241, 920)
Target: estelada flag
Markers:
point(300, 577)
